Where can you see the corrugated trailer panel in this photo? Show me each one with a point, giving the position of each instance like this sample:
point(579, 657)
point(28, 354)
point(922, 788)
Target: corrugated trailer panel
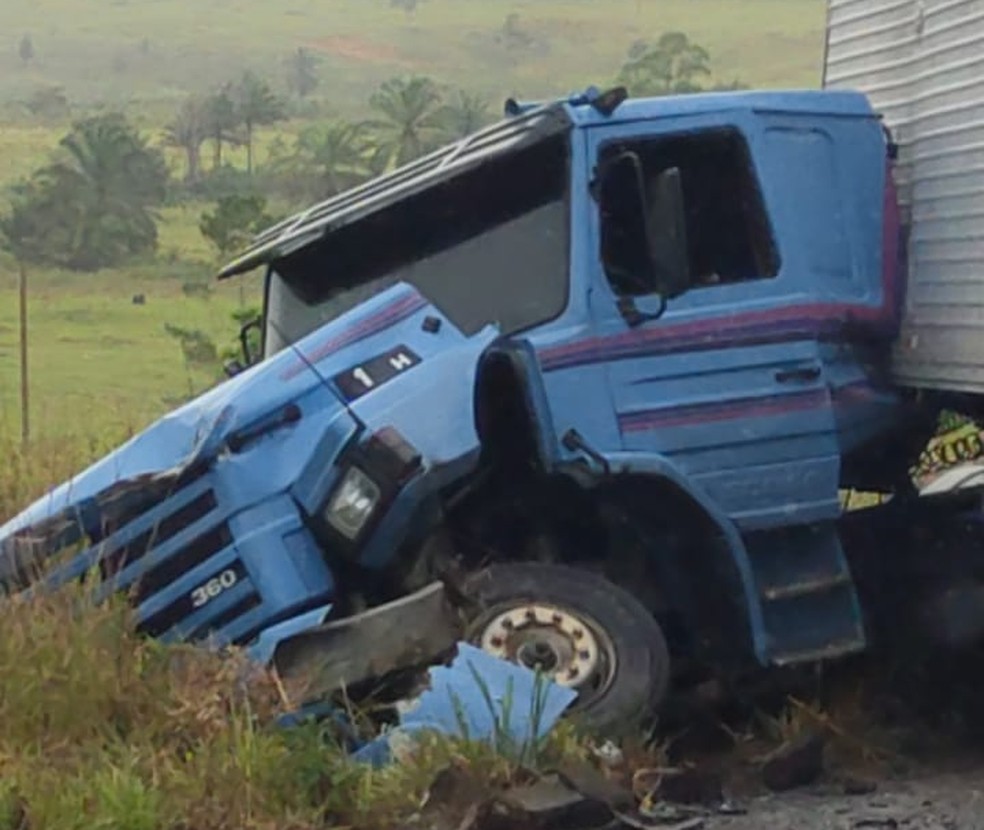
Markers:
point(871, 46)
point(929, 86)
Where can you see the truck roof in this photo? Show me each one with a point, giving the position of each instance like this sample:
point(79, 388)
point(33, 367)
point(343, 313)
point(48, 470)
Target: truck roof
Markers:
point(528, 123)
point(806, 101)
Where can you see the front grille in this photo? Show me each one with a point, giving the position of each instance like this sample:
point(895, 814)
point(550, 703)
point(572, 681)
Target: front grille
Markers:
point(175, 566)
point(182, 607)
point(178, 563)
point(163, 530)
point(229, 616)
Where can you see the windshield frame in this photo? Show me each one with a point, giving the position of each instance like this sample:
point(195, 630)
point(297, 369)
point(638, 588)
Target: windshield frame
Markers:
point(300, 230)
point(565, 203)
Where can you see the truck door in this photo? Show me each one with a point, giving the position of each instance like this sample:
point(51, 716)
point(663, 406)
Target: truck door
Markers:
point(727, 382)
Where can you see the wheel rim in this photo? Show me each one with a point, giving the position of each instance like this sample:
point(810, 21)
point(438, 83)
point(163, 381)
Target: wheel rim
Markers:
point(564, 646)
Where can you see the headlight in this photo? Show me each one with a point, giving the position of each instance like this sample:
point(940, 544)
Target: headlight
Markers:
point(353, 503)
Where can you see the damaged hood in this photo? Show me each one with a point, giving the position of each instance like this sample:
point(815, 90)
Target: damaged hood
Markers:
point(198, 431)
point(194, 432)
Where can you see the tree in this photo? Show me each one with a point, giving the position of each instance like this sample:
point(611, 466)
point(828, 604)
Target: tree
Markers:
point(673, 65)
point(25, 49)
point(49, 103)
point(97, 197)
point(234, 221)
point(222, 120)
point(188, 131)
point(463, 115)
point(302, 72)
point(409, 124)
point(256, 104)
point(331, 158)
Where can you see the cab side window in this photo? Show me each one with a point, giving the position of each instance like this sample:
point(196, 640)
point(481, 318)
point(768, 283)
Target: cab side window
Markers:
point(728, 235)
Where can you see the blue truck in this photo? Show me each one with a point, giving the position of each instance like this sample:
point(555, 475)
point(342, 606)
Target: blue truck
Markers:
point(594, 379)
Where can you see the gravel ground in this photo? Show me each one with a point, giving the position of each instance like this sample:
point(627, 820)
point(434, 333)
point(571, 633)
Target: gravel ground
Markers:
point(952, 801)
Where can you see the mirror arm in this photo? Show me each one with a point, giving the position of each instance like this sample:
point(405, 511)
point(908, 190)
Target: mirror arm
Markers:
point(631, 314)
point(244, 339)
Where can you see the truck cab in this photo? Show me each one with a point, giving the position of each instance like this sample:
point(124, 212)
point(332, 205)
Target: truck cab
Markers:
point(613, 359)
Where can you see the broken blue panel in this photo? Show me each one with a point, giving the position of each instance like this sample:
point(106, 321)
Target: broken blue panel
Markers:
point(262, 650)
point(479, 697)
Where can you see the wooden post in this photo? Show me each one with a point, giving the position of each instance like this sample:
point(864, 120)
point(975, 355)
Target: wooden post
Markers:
point(25, 393)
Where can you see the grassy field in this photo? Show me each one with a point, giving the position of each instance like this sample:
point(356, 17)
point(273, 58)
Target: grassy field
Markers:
point(96, 359)
point(119, 52)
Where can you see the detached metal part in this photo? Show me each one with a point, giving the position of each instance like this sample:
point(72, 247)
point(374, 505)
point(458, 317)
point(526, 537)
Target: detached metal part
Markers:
point(477, 697)
point(414, 630)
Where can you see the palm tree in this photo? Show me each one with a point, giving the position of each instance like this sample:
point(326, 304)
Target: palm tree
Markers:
point(188, 132)
point(103, 187)
point(408, 127)
point(302, 72)
point(256, 104)
point(339, 152)
point(221, 121)
point(324, 160)
point(463, 115)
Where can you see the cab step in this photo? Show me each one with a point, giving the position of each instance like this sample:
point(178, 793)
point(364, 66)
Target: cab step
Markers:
point(810, 608)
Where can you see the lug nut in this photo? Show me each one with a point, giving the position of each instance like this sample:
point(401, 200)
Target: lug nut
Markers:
point(572, 672)
point(577, 634)
point(584, 655)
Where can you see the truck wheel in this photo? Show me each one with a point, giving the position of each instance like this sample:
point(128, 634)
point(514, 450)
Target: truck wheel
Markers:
point(582, 631)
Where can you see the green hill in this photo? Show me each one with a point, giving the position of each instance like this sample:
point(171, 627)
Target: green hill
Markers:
point(121, 51)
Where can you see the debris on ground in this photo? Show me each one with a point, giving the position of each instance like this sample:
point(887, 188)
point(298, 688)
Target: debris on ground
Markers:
point(853, 785)
point(477, 697)
point(683, 785)
point(798, 763)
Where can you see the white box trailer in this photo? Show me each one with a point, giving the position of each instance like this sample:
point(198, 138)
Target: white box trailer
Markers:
point(921, 63)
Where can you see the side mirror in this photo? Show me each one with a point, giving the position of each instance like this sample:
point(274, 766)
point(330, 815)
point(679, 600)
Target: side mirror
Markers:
point(643, 229)
point(620, 190)
point(666, 226)
point(244, 331)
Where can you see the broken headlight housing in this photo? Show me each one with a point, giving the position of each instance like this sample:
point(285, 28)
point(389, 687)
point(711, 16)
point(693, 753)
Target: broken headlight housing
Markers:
point(352, 504)
point(373, 474)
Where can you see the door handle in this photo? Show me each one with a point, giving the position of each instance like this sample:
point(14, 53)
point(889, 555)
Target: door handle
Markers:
point(800, 375)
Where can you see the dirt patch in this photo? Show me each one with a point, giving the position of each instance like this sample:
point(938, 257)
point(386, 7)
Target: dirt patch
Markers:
point(353, 48)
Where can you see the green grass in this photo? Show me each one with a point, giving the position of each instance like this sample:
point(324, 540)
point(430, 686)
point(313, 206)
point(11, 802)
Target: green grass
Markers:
point(104, 729)
point(95, 48)
point(98, 362)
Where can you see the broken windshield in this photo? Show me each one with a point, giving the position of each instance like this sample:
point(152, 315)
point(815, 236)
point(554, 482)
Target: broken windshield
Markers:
point(489, 245)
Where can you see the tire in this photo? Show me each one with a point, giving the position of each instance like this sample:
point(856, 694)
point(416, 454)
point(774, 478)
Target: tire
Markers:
point(634, 681)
